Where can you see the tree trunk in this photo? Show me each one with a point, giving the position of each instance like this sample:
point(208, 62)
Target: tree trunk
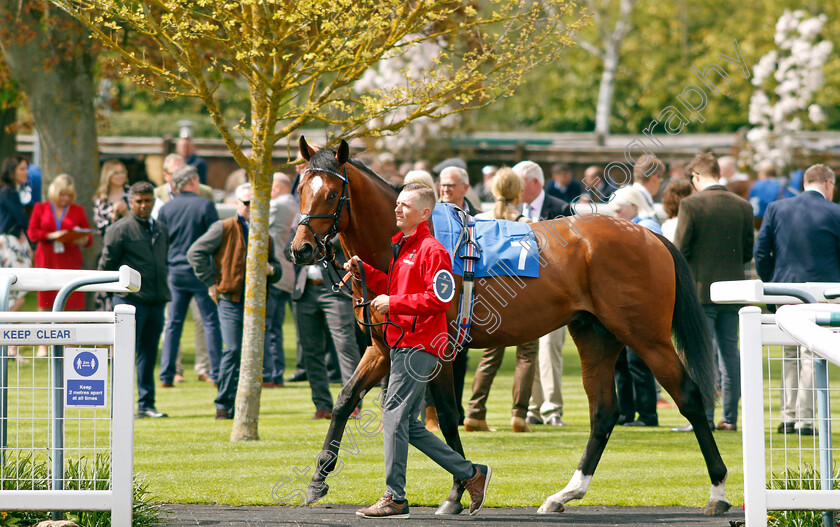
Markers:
point(54, 68)
point(249, 390)
point(605, 92)
point(8, 141)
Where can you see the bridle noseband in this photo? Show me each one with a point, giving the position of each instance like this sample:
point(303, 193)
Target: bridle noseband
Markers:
point(324, 244)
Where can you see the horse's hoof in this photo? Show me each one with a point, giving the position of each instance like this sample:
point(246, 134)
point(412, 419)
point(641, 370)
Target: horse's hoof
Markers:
point(716, 508)
point(449, 508)
point(315, 492)
point(550, 506)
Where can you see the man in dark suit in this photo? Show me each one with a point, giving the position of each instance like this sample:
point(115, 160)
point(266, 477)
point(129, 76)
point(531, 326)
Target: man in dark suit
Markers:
point(536, 204)
point(321, 313)
point(799, 241)
point(715, 234)
point(562, 184)
point(546, 404)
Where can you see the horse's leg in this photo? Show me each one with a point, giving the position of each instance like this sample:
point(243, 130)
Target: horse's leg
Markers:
point(668, 369)
point(443, 392)
point(371, 369)
point(598, 350)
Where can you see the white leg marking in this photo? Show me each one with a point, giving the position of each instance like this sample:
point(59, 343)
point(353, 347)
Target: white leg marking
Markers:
point(718, 492)
point(575, 489)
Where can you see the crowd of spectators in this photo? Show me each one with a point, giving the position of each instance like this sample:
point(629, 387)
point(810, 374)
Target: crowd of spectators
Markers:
point(188, 257)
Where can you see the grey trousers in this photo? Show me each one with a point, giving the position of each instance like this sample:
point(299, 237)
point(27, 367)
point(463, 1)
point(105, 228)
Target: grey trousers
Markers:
point(317, 313)
point(410, 371)
point(798, 386)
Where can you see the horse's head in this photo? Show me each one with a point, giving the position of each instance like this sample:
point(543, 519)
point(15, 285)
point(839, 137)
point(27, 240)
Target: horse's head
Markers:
point(324, 201)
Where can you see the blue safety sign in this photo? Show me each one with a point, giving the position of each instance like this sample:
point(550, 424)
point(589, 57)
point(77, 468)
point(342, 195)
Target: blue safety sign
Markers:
point(85, 364)
point(86, 377)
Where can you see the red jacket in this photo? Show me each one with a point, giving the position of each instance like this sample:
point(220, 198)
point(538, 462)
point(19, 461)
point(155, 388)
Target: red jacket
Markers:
point(413, 304)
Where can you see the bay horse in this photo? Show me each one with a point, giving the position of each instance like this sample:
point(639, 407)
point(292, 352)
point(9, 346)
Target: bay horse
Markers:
point(611, 281)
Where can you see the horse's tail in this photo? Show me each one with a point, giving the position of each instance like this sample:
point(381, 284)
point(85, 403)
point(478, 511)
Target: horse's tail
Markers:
point(694, 344)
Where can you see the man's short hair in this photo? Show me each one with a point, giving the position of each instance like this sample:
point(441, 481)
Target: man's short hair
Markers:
point(646, 168)
point(425, 195)
point(141, 187)
point(529, 170)
point(182, 176)
point(818, 174)
point(560, 167)
point(459, 172)
point(281, 177)
point(706, 165)
point(173, 159)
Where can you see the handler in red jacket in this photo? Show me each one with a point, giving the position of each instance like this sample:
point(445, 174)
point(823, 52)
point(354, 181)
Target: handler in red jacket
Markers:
point(418, 289)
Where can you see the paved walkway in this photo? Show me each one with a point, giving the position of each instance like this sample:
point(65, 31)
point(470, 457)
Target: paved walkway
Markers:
point(340, 515)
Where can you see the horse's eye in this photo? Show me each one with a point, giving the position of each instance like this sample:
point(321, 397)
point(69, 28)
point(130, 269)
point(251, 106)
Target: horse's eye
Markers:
point(332, 195)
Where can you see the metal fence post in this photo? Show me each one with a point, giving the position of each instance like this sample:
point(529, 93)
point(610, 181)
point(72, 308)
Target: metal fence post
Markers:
point(752, 401)
point(58, 380)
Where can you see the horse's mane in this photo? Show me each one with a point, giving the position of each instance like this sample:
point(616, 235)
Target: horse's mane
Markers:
point(324, 159)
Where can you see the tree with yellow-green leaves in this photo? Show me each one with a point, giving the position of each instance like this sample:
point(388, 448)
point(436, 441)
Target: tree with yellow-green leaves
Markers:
point(301, 61)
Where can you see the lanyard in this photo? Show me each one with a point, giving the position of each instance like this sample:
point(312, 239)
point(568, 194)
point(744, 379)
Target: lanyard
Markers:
point(58, 220)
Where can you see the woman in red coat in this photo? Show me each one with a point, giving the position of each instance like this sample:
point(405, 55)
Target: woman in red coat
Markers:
point(51, 226)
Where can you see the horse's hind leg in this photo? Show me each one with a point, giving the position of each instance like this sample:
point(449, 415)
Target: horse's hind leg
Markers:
point(598, 350)
point(668, 369)
point(443, 392)
point(371, 369)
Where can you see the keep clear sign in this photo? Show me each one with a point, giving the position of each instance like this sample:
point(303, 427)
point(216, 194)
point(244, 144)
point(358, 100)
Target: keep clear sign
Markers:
point(85, 377)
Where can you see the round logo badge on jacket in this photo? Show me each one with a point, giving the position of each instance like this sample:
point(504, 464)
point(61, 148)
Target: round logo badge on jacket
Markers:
point(444, 285)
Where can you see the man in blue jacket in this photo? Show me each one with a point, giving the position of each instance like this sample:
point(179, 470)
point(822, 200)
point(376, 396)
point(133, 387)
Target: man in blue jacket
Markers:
point(799, 241)
point(187, 216)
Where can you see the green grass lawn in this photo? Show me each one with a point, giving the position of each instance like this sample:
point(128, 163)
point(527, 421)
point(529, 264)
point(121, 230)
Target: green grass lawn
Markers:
point(189, 457)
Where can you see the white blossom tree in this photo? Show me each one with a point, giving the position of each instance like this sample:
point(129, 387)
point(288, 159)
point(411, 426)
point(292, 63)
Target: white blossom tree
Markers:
point(412, 63)
point(787, 79)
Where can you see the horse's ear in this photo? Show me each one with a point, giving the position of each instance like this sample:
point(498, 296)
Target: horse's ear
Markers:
point(306, 151)
point(342, 154)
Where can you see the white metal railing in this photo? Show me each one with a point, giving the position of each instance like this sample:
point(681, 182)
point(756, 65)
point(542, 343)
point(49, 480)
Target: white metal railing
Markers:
point(42, 421)
point(765, 453)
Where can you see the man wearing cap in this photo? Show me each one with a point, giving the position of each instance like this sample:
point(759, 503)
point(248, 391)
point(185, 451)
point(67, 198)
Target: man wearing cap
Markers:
point(218, 259)
point(187, 217)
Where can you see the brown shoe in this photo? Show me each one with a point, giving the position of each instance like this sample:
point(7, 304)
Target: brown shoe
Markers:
point(179, 378)
point(166, 385)
point(269, 385)
point(476, 425)
point(221, 415)
point(518, 424)
point(322, 414)
point(385, 508)
point(730, 427)
point(204, 378)
point(477, 487)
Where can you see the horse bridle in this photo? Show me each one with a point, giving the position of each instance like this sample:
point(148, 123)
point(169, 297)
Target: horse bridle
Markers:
point(325, 244)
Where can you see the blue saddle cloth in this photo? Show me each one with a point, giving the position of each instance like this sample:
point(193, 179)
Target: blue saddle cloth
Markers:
point(507, 247)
